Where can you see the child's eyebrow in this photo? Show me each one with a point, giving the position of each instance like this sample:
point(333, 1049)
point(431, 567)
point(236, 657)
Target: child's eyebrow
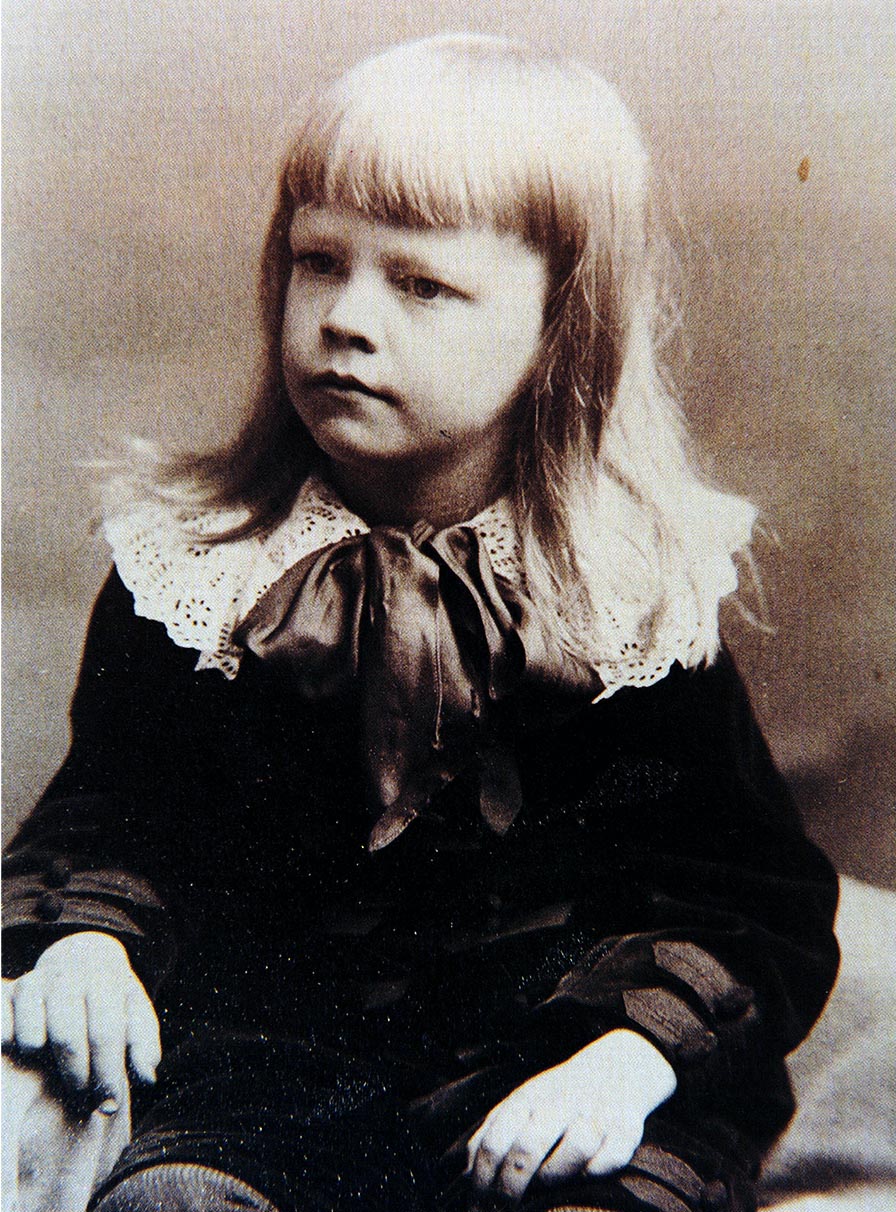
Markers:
point(308, 234)
point(412, 263)
point(421, 265)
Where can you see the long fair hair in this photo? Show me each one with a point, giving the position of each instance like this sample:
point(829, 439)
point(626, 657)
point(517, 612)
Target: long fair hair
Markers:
point(459, 130)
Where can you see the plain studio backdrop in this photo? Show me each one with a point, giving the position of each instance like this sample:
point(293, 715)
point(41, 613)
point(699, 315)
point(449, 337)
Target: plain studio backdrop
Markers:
point(140, 145)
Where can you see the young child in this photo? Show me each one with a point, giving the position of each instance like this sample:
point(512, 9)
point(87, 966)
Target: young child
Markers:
point(455, 870)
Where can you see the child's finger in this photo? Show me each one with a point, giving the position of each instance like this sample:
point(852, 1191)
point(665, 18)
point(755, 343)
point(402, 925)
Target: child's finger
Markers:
point(106, 1027)
point(473, 1145)
point(144, 1044)
point(524, 1157)
point(581, 1141)
point(618, 1148)
point(497, 1135)
point(67, 1033)
point(29, 1013)
point(486, 1163)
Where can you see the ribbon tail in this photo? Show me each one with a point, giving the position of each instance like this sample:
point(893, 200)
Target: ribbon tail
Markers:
point(500, 793)
point(393, 822)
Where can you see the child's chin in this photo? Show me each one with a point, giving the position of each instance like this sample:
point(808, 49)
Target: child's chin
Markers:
point(352, 445)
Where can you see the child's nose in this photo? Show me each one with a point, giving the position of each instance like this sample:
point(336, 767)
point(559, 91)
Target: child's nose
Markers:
point(353, 315)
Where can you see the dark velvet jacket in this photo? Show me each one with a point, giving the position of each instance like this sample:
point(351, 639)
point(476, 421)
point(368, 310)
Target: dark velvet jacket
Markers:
point(657, 876)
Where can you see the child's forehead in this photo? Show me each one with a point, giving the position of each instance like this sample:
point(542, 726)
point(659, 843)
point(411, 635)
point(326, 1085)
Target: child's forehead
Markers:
point(349, 227)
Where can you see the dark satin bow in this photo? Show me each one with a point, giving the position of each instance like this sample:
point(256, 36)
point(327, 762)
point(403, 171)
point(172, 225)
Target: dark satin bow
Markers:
point(418, 623)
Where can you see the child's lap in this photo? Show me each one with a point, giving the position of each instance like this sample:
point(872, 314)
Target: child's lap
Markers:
point(319, 1129)
point(308, 1126)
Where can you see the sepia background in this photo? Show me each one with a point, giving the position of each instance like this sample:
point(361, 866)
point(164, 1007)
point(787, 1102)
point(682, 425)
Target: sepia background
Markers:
point(140, 145)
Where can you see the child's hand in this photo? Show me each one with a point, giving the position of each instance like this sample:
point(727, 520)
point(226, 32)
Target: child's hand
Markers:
point(585, 1116)
point(83, 999)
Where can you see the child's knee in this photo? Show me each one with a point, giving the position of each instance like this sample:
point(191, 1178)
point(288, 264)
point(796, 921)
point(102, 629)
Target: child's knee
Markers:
point(175, 1187)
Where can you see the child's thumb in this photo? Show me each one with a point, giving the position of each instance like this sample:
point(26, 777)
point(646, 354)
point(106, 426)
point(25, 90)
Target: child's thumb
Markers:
point(144, 1044)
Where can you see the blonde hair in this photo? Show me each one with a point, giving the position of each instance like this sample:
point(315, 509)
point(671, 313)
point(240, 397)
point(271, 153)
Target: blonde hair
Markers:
point(459, 130)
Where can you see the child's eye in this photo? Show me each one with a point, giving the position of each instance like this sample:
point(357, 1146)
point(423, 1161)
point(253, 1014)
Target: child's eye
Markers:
point(322, 263)
point(424, 288)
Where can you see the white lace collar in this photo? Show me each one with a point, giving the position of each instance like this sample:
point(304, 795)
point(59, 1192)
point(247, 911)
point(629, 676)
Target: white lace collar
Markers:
point(201, 590)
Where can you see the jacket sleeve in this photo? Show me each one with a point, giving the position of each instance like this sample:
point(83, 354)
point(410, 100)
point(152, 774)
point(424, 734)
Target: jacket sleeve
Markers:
point(725, 952)
point(86, 857)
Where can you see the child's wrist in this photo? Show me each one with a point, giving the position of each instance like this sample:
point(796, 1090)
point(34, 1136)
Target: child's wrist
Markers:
point(90, 942)
point(629, 1060)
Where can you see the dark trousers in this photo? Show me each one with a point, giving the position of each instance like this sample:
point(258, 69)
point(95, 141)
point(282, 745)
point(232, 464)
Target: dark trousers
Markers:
point(316, 1129)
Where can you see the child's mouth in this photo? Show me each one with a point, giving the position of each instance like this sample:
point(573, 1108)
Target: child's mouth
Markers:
point(330, 381)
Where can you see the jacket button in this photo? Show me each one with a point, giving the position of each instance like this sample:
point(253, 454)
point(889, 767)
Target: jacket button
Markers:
point(58, 873)
point(49, 907)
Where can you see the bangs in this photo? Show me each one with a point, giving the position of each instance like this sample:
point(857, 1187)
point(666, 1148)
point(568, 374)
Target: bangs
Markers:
point(459, 131)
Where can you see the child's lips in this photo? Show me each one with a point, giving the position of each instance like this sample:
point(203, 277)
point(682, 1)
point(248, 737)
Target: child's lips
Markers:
point(330, 381)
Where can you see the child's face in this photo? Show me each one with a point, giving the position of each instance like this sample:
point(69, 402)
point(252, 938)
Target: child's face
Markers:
point(408, 348)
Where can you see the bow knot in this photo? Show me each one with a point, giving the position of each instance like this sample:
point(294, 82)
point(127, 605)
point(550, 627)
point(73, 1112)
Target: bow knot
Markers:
point(418, 625)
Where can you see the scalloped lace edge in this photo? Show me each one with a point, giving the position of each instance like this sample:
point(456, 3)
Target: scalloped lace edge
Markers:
point(201, 590)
